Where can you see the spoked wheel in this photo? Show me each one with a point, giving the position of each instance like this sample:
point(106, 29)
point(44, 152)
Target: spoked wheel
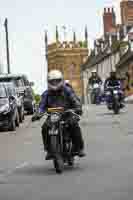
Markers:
point(58, 165)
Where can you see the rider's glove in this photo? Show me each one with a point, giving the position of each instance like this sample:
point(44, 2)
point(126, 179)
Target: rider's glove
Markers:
point(78, 111)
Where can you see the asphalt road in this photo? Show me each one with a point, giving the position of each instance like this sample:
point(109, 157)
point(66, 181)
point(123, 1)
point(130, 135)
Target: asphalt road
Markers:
point(106, 173)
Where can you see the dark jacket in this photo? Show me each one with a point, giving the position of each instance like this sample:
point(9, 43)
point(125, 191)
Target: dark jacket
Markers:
point(93, 80)
point(112, 82)
point(64, 98)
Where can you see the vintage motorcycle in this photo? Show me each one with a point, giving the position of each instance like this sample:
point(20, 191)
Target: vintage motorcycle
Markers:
point(59, 140)
point(113, 99)
point(95, 93)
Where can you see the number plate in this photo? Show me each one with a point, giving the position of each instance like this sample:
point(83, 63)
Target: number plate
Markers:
point(53, 132)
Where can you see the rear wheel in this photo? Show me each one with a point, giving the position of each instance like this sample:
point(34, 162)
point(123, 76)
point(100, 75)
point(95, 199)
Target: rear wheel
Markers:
point(17, 120)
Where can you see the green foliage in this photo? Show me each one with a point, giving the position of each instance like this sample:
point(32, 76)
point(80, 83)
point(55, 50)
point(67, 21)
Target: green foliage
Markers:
point(124, 43)
point(83, 44)
point(115, 46)
point(37, 98)
point(119, 44)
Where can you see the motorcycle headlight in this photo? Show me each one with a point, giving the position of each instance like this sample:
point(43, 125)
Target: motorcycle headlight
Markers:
point(54, 118)
point(115, 92)
point(4, 109)
point(95, 86)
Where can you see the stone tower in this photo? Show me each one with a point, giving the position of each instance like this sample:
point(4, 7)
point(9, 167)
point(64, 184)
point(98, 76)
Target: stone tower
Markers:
point(68, 56)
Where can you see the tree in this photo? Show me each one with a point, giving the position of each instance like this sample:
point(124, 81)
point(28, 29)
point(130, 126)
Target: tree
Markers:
point(37, 98)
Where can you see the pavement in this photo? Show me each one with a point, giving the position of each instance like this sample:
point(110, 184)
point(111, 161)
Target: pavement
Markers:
point(106, 173)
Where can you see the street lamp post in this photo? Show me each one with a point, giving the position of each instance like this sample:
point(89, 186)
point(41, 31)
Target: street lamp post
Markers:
point(7, 45)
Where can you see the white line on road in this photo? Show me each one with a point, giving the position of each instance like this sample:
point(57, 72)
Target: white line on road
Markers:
point(22, 165)
point(11, 171)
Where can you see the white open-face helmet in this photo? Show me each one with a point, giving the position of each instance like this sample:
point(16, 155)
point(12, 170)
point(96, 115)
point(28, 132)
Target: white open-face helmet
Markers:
point(94, 71)
point(55, 80)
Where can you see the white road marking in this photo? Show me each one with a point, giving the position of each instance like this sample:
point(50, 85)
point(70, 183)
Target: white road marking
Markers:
point(11, 171)
point(22, 165)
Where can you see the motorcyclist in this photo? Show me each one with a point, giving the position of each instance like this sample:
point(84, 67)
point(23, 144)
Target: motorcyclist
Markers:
point(94, 79)
point(60, 95)
point(113, 81)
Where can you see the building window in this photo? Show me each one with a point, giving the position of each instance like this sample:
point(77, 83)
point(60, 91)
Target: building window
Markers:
point(72, 71)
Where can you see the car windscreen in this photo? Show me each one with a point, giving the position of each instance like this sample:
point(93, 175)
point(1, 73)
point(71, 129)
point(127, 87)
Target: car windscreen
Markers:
point(2, 92)
point(16, 81)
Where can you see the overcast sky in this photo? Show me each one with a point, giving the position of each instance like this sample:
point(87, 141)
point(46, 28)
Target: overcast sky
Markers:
point(29, 18)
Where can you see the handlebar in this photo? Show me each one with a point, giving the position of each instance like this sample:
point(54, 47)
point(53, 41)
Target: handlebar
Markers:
point(112, 87)
point(38, 116)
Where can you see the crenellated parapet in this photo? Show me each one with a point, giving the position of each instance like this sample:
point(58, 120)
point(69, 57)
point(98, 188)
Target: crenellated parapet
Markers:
point(67, 44)
point(71, 44)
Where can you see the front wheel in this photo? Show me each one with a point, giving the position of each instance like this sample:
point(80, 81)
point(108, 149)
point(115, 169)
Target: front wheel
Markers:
point(58, 165)
point(92, 98)
point(54, 145)
point(116, 108)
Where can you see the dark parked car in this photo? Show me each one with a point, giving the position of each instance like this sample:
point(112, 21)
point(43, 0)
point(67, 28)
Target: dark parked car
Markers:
point(29, 102)
point(20, 103)
point(9, 117)
point(23, 87)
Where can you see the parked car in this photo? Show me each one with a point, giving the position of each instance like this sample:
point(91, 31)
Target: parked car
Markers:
point(23, 87)
point(20, 102)
point(29, 102)
point(9, 117)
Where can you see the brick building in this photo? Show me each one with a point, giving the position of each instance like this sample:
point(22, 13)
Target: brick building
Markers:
point(127, 12)
point(109, 20)
point(68, 57)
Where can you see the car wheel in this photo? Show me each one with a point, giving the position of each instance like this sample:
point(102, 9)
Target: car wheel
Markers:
point(21, 116)
point(12, 125)
point(31, 112)
point(17, 120)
